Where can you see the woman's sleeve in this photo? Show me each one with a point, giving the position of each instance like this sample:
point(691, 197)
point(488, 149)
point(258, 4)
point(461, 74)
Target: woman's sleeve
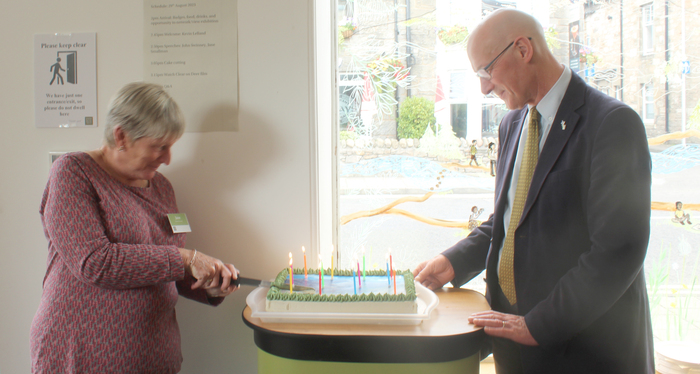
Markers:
point(73, 224)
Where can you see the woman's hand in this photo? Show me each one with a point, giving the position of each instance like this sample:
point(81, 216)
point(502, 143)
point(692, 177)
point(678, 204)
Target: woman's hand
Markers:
point(213, 291)
point(211, 274)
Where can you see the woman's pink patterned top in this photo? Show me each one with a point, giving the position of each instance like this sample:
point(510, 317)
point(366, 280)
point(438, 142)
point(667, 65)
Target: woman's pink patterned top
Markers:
point(113, 275)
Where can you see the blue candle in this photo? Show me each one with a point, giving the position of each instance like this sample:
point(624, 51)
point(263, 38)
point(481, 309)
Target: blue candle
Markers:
point(388, 275)
point(354, 285)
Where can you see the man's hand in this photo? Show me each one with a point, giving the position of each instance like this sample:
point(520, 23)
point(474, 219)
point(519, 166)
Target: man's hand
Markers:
point(434, 273)
point(502, 325)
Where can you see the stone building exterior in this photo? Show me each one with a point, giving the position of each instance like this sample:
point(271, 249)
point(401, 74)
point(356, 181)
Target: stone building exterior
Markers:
point(394, 30)
point(639, 47)
point(634, 49)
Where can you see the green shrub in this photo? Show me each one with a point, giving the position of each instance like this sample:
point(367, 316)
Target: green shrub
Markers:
point(453, 34)
point(415, 114)
point(345, 135)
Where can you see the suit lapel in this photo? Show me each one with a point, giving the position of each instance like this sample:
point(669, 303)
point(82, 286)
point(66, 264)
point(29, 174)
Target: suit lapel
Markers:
point(564, 124)
point(513, 138)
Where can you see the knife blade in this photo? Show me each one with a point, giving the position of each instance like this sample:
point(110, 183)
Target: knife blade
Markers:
point(243, 281)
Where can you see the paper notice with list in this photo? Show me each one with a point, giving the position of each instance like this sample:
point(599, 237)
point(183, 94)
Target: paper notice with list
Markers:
point(191, 49)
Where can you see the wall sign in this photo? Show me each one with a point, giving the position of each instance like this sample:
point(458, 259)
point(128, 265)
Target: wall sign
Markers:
point(65, 80)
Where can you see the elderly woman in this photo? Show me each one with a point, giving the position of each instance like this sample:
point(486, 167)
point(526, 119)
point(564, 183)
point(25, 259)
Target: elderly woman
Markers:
point(115, 267)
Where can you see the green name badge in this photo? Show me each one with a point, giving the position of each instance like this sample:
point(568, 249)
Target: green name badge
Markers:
point(179, 222)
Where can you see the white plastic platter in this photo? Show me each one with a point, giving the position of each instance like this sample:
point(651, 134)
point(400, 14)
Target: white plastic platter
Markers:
point(425, 298)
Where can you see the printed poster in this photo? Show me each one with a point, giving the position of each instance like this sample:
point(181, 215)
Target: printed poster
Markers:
point(65, 80)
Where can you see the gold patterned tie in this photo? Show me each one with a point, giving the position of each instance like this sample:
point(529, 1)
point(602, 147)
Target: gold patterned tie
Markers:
point(527, 168)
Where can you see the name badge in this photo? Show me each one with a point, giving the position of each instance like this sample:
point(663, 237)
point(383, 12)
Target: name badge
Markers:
point(179, 223)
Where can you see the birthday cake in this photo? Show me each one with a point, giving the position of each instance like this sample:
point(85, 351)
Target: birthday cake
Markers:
point(343, 292)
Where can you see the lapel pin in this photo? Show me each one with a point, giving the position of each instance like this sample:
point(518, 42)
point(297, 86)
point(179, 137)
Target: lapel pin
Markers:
point(563, 125)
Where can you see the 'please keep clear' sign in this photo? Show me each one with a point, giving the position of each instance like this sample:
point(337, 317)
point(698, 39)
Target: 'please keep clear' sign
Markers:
point(65, 79)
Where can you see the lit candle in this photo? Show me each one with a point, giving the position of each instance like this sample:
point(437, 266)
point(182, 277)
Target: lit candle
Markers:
point(359, 281)
point(364, 272)
point(291, 273)
point(306, 276)
point(391, 262)
point(388, 274)
point(332, 270)
point(320, 283)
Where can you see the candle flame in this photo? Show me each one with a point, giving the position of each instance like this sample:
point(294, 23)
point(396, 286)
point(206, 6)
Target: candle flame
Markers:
point(303, 249)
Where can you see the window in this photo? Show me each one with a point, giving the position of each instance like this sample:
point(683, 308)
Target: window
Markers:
point(647, 29)
point(390, 187)
point(648, 102)
point(458, 85)
point(350, 101)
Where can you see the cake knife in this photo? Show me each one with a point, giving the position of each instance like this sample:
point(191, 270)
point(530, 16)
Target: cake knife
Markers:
point(243, 281)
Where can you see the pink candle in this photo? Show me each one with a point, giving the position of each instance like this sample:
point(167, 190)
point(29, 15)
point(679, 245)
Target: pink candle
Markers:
point(306, 276)
point(291, 273)
point(320, 285)
point(359, 277)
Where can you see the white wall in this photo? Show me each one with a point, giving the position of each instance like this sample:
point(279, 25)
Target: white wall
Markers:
point(247, 194)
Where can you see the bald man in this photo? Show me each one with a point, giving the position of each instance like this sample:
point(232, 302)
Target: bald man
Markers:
point(568, 293)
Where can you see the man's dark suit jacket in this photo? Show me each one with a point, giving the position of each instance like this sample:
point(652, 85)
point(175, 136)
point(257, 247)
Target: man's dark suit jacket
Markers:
point(581, 241)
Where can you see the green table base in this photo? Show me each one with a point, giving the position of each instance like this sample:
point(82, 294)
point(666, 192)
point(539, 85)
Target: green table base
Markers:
point(271, 364)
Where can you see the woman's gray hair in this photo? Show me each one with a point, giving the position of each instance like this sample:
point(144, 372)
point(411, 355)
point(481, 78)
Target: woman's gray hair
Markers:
point(144, 110)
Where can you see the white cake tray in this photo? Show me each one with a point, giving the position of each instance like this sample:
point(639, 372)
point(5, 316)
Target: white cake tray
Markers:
point(425, 298)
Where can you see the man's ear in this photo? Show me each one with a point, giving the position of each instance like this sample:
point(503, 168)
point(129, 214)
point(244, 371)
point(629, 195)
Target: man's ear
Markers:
point(524, 47)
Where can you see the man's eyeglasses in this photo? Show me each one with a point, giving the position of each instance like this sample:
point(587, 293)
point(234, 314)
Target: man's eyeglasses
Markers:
point(484, 72)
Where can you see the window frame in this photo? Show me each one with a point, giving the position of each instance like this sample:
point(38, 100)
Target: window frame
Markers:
point(647, 24)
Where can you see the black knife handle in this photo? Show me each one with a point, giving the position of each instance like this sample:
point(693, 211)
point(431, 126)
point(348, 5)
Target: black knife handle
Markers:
point(241, 281)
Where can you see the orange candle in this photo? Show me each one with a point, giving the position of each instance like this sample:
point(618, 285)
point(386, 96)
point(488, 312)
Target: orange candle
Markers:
point(391, 262)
